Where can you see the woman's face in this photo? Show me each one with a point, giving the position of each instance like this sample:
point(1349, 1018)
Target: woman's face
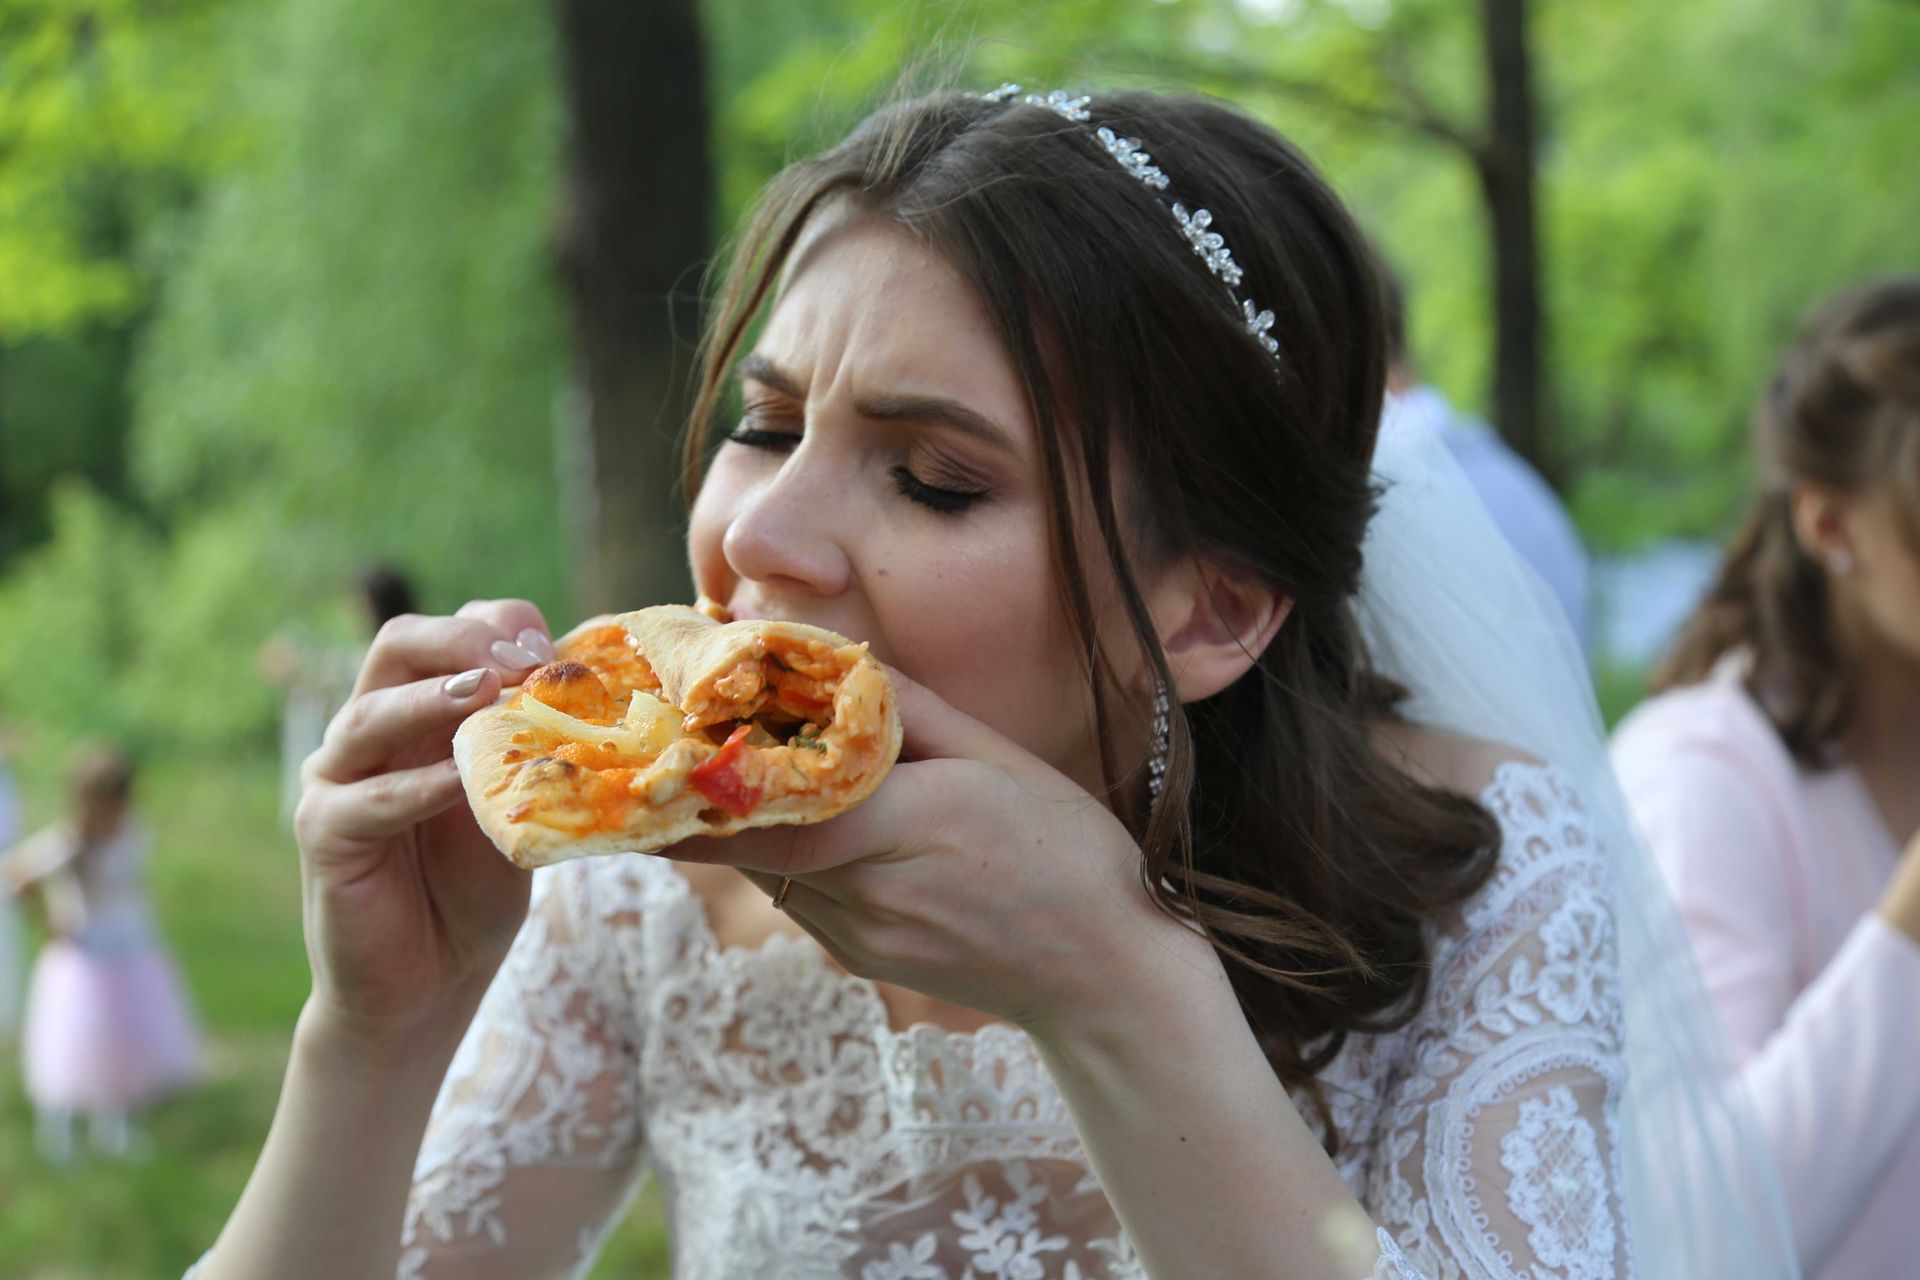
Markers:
point(1883, 590)
point(885, 481)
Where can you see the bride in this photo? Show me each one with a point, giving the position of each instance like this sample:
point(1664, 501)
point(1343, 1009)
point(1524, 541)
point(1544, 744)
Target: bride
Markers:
point(1251, 899)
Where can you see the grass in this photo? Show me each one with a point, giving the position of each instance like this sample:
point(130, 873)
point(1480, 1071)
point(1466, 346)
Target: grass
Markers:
point(225, 884)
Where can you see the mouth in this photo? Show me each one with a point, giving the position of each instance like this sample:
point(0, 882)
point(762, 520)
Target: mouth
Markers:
point(744, 609)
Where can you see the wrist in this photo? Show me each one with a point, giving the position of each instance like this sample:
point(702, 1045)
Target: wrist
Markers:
point(1158, 979)
point(340, 1046)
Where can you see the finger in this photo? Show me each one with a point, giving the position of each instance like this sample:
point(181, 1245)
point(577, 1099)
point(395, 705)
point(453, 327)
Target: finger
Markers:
point(816, 883)
point(933, 728)
point(374, 727)
point(377, 807)
point(826, 918)
point(412, 647)
point(520, 619)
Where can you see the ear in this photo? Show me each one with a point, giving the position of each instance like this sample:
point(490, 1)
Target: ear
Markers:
point(1823, 523)
point(1214, 624)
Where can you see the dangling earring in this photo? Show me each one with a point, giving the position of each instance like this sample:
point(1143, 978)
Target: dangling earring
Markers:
point(1162, 737)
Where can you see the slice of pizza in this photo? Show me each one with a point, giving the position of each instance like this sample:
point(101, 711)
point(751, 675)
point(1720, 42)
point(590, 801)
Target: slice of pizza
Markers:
point(665, 723)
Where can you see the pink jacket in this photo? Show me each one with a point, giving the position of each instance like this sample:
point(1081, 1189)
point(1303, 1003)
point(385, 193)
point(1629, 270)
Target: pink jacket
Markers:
point(1776, 871)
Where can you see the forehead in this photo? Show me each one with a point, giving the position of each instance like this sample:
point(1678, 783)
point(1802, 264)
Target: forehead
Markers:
point(863, 299)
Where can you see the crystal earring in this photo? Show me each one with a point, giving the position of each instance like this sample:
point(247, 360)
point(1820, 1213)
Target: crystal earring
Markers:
point(1840, 562)
point(1162, 737)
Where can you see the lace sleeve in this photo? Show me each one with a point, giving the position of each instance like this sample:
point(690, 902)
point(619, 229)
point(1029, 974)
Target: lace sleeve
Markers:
point(1499, 1151)
point(535, 1141)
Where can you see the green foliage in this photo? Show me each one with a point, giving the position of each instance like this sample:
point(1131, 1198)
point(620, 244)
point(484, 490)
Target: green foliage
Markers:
point(100, 116)
point(346, 346)
point(360, 340)
point(1708, 172)
point(355, 356)
point(69, 617)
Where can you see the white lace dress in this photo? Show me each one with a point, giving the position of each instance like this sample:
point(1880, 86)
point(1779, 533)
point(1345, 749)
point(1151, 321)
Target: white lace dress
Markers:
point(796, 1134)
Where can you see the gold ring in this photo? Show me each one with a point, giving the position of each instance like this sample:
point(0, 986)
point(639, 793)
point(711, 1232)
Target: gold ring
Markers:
point(780, 898)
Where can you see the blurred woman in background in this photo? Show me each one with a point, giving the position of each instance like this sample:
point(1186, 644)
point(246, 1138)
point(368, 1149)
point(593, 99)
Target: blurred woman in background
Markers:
point(315, 674)
point(1774, 777)
point(108, 1027)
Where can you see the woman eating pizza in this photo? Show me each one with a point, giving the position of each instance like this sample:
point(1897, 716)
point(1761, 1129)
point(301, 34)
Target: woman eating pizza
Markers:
point(1251, 896)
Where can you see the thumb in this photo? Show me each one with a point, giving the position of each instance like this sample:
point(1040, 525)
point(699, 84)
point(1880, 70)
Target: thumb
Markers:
point(934, 729)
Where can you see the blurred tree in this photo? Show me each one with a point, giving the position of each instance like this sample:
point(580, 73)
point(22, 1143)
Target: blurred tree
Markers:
point(360, 342)
point(637, 216)
point(102, 137)
point(1370, 63)
point(1705, 173)
point(357, 350)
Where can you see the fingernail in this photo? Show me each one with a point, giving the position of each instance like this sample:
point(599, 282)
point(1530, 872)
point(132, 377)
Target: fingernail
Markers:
point(512, 656)
point(535, 642)
point(464, 684)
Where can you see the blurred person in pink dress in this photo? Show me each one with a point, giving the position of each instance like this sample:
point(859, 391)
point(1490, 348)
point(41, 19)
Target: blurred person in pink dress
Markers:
point(1774, 774)
point(108, 1028)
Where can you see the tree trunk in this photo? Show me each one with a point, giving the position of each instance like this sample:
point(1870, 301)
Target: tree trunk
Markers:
point(634, 236)
point(1506, 166)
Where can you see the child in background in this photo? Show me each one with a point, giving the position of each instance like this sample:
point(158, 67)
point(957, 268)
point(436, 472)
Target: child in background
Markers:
point(108, 1028)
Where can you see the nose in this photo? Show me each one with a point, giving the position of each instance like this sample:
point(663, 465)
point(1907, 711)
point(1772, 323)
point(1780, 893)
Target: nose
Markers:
point(788, 533)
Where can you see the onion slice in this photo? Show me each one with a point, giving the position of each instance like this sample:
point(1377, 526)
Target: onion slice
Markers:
point(642, 737)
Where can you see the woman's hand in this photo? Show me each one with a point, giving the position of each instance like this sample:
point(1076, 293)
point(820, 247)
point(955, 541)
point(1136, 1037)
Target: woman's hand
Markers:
point(409, 908)
point(977, 874)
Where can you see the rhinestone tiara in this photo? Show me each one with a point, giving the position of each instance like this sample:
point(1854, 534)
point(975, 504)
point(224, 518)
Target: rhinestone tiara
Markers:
point(1196, 225)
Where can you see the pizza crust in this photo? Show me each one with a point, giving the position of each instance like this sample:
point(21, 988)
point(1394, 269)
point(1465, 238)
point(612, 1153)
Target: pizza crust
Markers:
point(539, 809)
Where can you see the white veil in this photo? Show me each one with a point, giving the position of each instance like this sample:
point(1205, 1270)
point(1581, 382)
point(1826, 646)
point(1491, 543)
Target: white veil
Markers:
point(1452, 613)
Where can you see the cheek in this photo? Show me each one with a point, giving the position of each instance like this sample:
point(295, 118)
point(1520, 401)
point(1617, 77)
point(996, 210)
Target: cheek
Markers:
point(1900, 606)
point(967, 608)
point(978, 620)
point(721, 493)
point(1892, 595)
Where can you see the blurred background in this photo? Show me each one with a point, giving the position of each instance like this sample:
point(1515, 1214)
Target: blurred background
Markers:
point(293, 287)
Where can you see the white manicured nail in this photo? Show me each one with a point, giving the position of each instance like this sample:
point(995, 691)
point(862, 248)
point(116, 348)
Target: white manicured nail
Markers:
point(512, 656)
point(535, 642)
point(464, 684)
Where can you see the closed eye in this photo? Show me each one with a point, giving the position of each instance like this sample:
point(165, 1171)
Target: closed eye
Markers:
point(760, 438)
point(946, 501)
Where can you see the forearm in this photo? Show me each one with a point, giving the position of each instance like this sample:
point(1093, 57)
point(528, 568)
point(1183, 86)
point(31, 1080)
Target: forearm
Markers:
point(1833, 1088)
point(328, 1194)
point(1196, 1144)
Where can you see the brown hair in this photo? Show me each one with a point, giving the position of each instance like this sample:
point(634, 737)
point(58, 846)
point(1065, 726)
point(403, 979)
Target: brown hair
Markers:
point(102, 785)
point(1311, 863)
point(1844, 410)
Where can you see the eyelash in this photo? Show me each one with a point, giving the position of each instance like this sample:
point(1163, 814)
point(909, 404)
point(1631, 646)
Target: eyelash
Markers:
point(910, 486)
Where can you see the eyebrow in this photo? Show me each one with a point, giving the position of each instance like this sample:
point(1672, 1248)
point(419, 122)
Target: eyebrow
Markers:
point(888, 408)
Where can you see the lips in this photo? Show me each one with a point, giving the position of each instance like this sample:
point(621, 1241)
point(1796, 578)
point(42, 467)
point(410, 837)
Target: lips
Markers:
point(746, 609)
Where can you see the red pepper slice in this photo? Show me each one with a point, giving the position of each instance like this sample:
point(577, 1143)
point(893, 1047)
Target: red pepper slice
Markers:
point(718, 777)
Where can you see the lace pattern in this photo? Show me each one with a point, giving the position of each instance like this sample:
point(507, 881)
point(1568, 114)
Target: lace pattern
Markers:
point(797, 1134)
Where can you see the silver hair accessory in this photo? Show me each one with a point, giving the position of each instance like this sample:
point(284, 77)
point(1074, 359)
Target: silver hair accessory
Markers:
point(1196, 226)
point(1162, 742)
